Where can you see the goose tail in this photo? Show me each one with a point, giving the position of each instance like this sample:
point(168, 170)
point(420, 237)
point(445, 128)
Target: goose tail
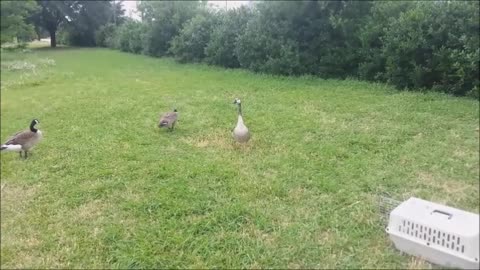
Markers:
point(11, 147)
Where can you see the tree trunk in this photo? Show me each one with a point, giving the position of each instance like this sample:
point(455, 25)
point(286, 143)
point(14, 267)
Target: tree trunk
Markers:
point(53, 39)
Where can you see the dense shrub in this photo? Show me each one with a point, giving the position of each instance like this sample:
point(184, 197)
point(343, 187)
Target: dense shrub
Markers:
point(164, 20)
point(104, 35)
point(434, 45)
point(128, 37)
point(265, 46)
point(220, 49)
point(371, 35)
point(189, 45)
point(306, 37)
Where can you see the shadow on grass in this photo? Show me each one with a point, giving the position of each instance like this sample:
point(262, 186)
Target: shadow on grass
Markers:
point(58, 48)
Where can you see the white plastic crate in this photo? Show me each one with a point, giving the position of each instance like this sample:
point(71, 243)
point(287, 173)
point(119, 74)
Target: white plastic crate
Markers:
point(439, 234)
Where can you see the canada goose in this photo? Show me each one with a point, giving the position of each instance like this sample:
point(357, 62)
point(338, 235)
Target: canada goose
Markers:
point(23, 140)
point(168, 120)
point(240, 132)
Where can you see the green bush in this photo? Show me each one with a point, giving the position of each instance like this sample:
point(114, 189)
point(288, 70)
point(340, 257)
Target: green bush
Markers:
point(128, 37)
point(220, 49)
point(164, 20)
point(372, 61)
point(434, 45)
point(189, 45)
point(15, 25)
point(104, 35)
point(304, 37)
point(266, 47)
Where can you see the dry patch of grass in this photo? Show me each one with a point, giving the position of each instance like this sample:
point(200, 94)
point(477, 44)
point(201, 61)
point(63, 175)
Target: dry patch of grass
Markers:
point(218, 140)
point(418, 263)
point(15, 198)
point(18, 235)
point(447, 191)
point(90, 211)
point(213, 139)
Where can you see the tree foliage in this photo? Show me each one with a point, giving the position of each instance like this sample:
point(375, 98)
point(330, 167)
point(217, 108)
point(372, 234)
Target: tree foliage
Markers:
point(164, 20)
point(220, 49)
point(52, 15)
point(128, 37)
point(433, 45)
point(14, 20)
point(89, 17)
point(79, 21)
point(189, 45)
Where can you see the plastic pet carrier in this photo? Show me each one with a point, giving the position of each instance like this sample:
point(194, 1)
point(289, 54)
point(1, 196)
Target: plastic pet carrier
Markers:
point(439, 234)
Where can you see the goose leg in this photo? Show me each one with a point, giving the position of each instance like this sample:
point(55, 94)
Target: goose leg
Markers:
point(25, 154)
point(20, 153)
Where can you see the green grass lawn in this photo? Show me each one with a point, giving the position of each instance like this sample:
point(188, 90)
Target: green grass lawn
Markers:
point(106, 188)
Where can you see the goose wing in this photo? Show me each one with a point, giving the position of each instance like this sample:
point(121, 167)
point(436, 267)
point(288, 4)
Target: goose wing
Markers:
point(168, 118)
point(21, 137)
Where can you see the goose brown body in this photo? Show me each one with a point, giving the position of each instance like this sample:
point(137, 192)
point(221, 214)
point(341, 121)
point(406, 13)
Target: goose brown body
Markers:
point(23, 140)
point(168, 120)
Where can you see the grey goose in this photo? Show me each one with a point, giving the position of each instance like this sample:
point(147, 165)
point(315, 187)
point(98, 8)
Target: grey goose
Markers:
point(168, 120)
point(23, 140)
point(240, 132)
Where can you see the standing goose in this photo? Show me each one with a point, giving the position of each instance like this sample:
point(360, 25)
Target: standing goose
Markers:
point(240, 132)
point(23, 140)
point(168, 120)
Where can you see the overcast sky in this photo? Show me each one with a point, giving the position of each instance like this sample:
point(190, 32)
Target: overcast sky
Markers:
point(131, 6)
point(228, 4)
point(130, 9)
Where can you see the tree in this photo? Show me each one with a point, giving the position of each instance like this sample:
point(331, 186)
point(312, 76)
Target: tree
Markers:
point(79, 20)
point(39, 31)
point(118, 12)
point(52, 14)
point(88, 17)
point(14, 24)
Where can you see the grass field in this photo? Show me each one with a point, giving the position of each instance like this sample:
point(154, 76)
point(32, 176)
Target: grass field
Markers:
point(106, 188)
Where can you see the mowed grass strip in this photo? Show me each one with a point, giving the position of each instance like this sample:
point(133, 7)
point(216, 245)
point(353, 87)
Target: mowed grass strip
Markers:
point(106, 188)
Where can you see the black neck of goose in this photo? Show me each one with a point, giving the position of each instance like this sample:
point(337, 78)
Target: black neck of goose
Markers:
point(240, 108)
point(32, 128)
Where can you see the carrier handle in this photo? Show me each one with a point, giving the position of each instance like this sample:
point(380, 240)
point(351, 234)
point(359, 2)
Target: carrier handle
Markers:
point(443, 213)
